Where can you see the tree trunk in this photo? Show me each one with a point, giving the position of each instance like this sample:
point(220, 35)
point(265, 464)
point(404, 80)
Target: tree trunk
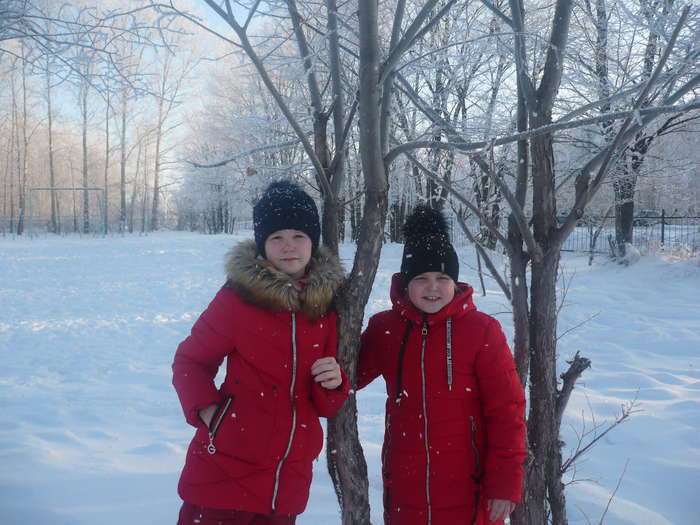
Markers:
point(22, 175)
point(7, 177)
point(122, 170)
point(144, 199)
point(543, 480)
point(346, 462)
point(355, 210)
point(519, 260)
point(519, 301)
point(17, 159)
point(337, 176)
point(86, 199)
point(544, 472)
point(75, 197)
point(330, 225)
point(106, 181)
point(52, 171)
point(624, 186)
point(156, 168)
point(134, 190)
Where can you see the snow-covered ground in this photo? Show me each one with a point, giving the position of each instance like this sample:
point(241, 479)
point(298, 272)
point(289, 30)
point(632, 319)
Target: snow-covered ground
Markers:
point(91, 429)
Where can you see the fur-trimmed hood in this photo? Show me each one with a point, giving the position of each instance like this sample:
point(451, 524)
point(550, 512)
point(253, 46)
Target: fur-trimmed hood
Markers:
point(258, 282)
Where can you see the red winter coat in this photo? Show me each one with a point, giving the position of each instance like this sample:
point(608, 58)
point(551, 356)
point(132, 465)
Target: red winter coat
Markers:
point(257, 455)
point(455, 429)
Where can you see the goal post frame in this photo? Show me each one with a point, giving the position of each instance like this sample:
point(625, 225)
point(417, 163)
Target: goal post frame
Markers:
point(100, 199)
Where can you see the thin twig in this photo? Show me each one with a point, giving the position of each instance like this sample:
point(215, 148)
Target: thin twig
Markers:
point(612, 496)
point(487, 260)
point(579, 325)
point(627, 410)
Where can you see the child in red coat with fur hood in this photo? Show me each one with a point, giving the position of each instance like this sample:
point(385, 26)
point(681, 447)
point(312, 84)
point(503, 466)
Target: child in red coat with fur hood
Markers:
point(454, 441)
point(250, 460)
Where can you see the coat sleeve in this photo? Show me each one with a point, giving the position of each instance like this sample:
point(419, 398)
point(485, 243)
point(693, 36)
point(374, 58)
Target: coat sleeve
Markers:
point(328, 402)
point(368, 365)
point(199, 356)
point(503, 405)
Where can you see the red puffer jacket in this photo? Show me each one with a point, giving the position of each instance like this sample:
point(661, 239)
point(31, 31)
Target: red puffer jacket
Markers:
point(455, 429)
point(257, 454)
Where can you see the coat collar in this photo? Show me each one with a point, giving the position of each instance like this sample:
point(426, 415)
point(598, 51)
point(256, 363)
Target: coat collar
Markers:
point(258, 282)
point(460, 305)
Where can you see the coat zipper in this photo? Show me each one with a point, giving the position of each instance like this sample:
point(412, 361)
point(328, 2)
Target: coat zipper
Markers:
point(294, 413)
point(448, 349)
point(424, 333)
point(215, 423)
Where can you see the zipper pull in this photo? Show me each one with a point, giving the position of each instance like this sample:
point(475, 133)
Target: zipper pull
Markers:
point(211, 448)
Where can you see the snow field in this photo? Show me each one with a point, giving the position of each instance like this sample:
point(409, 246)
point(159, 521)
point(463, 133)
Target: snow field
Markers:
point(91, 428)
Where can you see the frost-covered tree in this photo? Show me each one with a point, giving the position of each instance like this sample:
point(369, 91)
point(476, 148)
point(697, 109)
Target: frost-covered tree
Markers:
point(508, 124)
point(546, 108)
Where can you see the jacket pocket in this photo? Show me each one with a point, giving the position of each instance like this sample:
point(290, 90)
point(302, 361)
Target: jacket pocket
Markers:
point(463, 386)
point(475, 448)
point(216, 422)
point(244, 427)
point(308, 438)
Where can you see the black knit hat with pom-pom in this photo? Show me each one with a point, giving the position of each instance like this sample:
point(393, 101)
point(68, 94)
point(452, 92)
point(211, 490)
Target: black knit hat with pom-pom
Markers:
point(285, 206)
point(428, 247)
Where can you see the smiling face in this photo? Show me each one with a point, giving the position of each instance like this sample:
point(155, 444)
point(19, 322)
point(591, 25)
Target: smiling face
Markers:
point(289, 251)
point(431, 291)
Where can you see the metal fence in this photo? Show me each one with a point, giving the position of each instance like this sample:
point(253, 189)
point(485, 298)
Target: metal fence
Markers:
point(674, 233)
point(649, 233)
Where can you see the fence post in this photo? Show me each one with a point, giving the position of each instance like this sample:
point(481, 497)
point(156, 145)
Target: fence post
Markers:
point(31, 214)
point(663, 227)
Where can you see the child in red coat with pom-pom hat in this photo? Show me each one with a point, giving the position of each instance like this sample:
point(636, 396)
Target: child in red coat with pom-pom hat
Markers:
point(454, 442)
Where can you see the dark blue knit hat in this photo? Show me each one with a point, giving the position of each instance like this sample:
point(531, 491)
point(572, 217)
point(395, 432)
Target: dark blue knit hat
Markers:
point(285, 206)
point(428, 247)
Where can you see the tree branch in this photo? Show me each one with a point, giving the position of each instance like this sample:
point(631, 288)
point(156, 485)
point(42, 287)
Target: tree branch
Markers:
point(244, 154)
point(527, 88)
point(554, 64)
point(434, 176)
point(284, 108)
point(480, 145)
point(585, 190)
point(409, 37)
point(576, 367)
point(500, 14)
point(305, 53)
point(489, 263)
point(627, 410)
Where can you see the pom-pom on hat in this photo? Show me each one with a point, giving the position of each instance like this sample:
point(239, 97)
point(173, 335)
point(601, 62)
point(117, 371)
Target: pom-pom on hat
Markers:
point(285, 206)
point(428, 247)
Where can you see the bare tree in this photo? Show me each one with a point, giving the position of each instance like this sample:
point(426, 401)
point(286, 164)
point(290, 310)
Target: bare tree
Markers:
point(537, 240)
point(615, 70)
point(374, 99)
point(175, 70)
point(55, 224)
point(534, 237)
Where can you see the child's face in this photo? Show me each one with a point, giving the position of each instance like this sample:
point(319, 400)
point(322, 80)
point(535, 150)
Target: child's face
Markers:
point(289, 251)
point(431, 291)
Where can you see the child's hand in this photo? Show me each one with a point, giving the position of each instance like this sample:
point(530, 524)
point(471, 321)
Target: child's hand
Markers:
point(207, 414)
point(499, 509)
point(327, 372)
